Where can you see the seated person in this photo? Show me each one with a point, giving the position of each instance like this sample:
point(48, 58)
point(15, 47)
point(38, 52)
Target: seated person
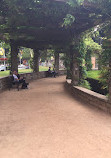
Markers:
point(49, 70)
point(51, 73)
point(18, 79)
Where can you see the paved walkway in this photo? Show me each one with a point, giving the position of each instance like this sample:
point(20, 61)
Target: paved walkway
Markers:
point(46, 122)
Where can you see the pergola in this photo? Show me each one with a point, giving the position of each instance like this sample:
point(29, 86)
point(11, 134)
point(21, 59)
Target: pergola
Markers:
point(38, 24)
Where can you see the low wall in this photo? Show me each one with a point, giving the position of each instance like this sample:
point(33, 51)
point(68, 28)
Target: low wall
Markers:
point(89, 97)
point(4, 81)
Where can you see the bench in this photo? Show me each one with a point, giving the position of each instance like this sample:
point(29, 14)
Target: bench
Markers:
point(12, 83)
point(50, 74)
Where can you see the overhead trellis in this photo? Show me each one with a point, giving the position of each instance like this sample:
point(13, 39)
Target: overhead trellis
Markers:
point(49, 21)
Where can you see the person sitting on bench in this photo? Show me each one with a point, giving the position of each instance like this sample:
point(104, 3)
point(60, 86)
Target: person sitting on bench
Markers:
point(19, 80)
point(51, 73)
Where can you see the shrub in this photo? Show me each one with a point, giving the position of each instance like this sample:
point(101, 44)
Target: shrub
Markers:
point(85, 84)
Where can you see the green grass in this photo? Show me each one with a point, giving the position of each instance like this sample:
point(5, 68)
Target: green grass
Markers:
point(43, 68)
point(6, 73)
point(93, 74)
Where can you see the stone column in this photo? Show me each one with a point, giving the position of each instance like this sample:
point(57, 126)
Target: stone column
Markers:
point(109, 81)
point(14, 57)
point(69, 63)
point(75, 68)
point(57, 62)
point(36, 62)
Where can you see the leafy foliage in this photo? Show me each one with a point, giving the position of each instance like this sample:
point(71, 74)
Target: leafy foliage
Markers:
point(31, 63)
point(104, 77)
point(26, 53)
point(85, 84)
point(105, 59)
point(86, 48)
point(28, 18)
point(95, 74)
point(68, 20)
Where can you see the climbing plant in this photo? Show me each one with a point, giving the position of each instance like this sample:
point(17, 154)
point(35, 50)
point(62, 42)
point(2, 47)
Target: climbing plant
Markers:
point(82, 67)
point(86, 48)
point(105, 59)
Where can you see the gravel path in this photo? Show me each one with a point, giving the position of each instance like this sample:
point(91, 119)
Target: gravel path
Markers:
point(46, 122)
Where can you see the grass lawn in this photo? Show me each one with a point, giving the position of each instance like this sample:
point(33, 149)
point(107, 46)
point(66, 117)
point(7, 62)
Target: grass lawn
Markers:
point(93, 74)
point(6, 73)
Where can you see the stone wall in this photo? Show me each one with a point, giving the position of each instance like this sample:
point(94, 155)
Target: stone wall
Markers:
point(89, 97)
point(4, 82)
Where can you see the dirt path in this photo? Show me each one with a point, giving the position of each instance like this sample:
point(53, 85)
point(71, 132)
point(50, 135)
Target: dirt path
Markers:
point(46, 122)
